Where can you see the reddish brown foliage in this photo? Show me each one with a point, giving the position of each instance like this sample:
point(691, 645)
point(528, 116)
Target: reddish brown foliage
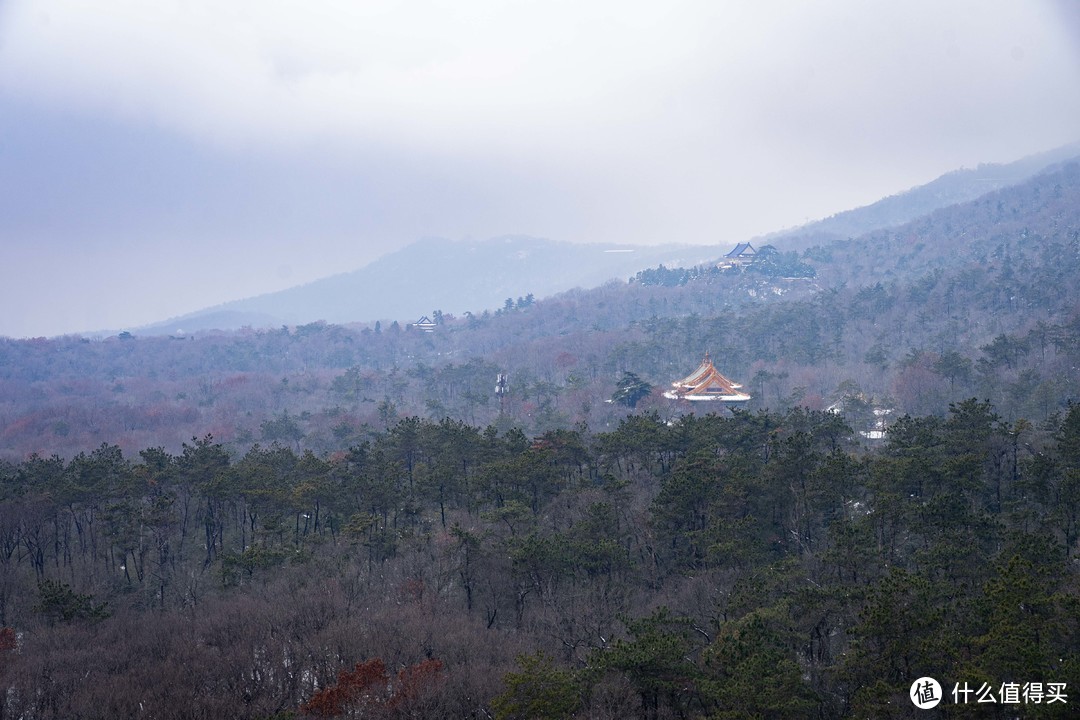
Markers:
point(367, 687)
point(364, 685)
point(416, 682)
point(8, 645)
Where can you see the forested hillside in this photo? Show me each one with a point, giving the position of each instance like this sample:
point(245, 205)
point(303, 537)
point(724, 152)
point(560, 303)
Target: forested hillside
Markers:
point(756, 565)
point(453, 276)
point(326, 520)
point(975, 300)
point(952, 188)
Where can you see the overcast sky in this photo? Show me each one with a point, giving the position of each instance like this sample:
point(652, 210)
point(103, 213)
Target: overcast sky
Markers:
point(158, 157)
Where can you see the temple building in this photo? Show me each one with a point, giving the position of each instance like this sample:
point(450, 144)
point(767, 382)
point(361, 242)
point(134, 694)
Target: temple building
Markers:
point(706, 383)
point(743, 255)
point(425, 324)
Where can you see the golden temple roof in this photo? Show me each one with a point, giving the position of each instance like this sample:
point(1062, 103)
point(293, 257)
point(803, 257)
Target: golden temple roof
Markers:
point(706, 383)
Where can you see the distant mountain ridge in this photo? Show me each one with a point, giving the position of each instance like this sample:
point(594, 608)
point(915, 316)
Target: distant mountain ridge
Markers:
point(438, 274)
point(952, 188)
point(459, 276)
point(975, 300)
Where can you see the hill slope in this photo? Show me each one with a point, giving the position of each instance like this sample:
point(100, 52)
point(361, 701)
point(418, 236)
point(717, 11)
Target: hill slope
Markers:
point(441, 274)
point(455, 277)
point(952, 188)
point(975, 300)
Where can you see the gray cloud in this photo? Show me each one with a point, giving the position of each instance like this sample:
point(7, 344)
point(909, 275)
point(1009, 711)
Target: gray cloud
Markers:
point(160, 157)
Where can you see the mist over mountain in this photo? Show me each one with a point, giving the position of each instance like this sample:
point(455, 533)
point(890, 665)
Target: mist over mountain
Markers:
point(915, 384)
point(976, 299)
point(439, 274)
point(294, 501)
point(952, 188)
point(476, 275)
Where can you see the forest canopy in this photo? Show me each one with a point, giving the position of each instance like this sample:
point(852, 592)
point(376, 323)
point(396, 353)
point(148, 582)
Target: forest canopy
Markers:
point(750, 565)
point(499, 514)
